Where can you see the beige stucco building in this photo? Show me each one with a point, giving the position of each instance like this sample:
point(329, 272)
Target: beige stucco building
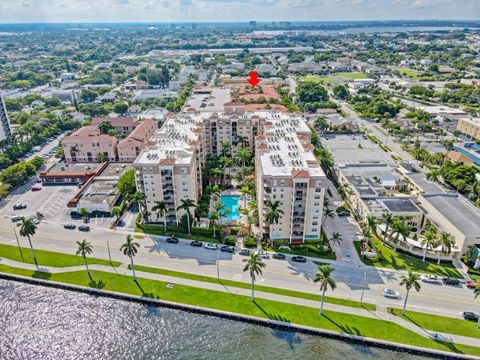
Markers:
point(469, 127)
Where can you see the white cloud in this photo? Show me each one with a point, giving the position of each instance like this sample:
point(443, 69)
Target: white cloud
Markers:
point(233, 10)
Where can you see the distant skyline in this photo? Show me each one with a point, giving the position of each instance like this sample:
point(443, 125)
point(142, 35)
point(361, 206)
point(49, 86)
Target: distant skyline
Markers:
point(21, 11)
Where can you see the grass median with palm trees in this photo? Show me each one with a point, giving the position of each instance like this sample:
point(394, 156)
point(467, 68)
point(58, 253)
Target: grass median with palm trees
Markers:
point(440, 323)
point(49, 258)
point(401, 261)
point(263, 288)
point(290, 313)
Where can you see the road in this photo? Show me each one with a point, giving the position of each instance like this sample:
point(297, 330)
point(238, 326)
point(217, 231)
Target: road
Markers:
point(155, 252)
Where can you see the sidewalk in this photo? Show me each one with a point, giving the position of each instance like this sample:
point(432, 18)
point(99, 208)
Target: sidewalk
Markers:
point(380, 313)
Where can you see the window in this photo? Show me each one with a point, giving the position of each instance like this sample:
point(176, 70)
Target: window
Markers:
point(314, 229)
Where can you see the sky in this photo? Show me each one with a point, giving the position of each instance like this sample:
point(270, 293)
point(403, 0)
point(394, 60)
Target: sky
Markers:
point(14, 11)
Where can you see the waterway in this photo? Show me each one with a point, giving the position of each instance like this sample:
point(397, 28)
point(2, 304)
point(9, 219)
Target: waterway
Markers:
point(44, 323)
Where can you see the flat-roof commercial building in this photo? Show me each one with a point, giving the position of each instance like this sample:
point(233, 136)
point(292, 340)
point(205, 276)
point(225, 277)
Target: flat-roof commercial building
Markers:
point(449, 211)
point(5, 129)
point(469, 127)
point(377, 189)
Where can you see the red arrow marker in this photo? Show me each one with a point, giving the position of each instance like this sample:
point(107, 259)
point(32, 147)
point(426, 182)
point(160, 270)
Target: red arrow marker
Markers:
point(253, 79)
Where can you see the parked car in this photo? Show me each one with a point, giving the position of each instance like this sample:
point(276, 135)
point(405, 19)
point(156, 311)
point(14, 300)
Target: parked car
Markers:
point(244, 252)
point(70, 226)
point(227, 248)
point(451, 281)
point(211, 246)
point(16, 218)
point(263, 254)
point(84, 228)
point(196, 243)
point(19, 206)
point(36, 188)
point(36, 221)
point(472, 284)
point(432, 279)
point(471, 316)
point(172, 240)
point(343, 213)
point(392, 294)
point(301, 259)
point(279, 256)
point(38, 180)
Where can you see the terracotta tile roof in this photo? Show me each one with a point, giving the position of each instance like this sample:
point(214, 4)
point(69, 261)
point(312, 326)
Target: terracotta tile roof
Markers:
point(262, 146)
point(301, 174)
point(120, 121)
point(458, 157)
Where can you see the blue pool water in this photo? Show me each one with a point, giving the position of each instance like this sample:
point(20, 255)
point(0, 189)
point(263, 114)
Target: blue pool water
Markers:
point(476, 159)
point(232, 204)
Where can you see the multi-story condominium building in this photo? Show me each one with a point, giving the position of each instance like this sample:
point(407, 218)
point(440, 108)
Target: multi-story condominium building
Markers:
point(288, 172)
point(88, 143)
point(170, 166)
point(469, 127)
point(5, 129)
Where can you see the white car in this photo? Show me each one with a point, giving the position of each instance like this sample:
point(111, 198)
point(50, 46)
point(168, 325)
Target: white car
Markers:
point(36, 221)
point(211, 246)
point(432, 279)
point(392, 294)
point(263, 254)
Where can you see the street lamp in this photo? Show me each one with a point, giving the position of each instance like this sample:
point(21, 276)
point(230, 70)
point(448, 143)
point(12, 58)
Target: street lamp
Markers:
point(364, 285)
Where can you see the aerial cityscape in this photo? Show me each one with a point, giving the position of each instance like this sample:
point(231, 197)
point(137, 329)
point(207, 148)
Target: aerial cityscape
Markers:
point(216, 179)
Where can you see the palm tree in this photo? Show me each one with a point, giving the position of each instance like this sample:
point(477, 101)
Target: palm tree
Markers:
point(116, 211)
point(73, 152)
point(85, 248)
point(446, 242)
point(161, 209)
point(84, 214)
point(387, 219)
point(130, 249)
point(324, 278)
point(254, 266)
point(214, 216)
point(28, 229)
point(243, 156)
point(272, 216)
point(216, 173)
point(242, 141)
point(372, 223)
point(428, 242)
point(327, 213)
point(226, 147)
point(135, 199)
point(105, 127)
point(336, 238)
point(400, 229)
point(411, 280)
point(185, 205)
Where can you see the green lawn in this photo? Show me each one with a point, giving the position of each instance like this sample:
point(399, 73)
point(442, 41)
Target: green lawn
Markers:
point(352, 75)
point(407, 72)
point(320, 79)
point(268, 309)
point(49, 258)
point(440, 323)
point(401, 261)
point(242, 285)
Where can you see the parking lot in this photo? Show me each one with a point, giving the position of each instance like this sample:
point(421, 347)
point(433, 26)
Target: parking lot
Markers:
point(348, 149)
point(50, 201)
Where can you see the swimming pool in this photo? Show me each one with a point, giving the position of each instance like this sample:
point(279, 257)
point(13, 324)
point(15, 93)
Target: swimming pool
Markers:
point(232, 204)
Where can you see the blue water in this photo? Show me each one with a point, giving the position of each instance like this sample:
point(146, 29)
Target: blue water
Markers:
point(476, 159)
point(232, 204)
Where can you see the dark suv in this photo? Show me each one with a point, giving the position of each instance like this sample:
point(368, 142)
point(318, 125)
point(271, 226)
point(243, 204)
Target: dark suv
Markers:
point(299, 259)
point(172, 240)
point(451, 281)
